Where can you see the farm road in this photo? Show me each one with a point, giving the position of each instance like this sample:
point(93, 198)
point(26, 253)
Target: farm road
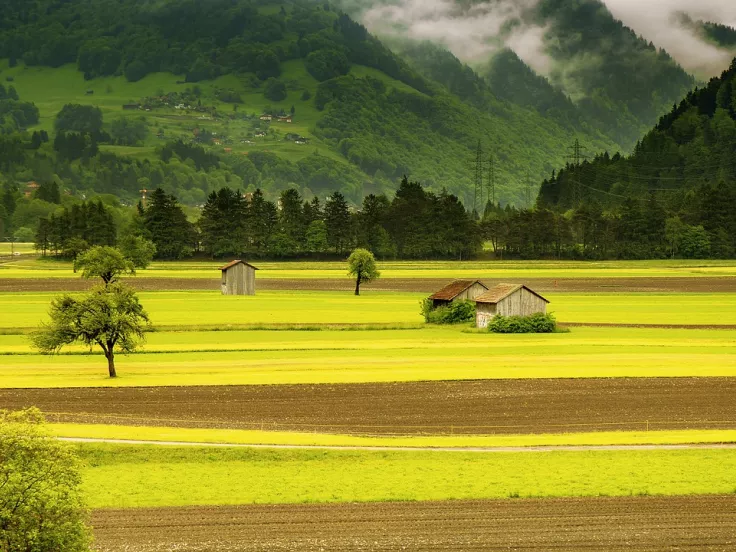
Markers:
point(704, 284)
point(594, 524)
point(463, 407)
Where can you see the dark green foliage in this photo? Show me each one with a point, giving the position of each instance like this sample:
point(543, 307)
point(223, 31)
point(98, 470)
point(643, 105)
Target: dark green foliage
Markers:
point(719, 34)
point(125, 131)
point(49, 192)
point(458, 312)
point(327, 64)
point(84, 119)
point(682, 168)
point(167, 227)
point(90, 221)
point(274, 90)
point(536, 323)
point(15, 114)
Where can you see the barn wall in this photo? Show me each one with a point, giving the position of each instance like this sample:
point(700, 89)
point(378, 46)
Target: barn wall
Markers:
point(474, 291)
point(521, 303)
point(239, 280)
point(484, 313)
point(249, 280)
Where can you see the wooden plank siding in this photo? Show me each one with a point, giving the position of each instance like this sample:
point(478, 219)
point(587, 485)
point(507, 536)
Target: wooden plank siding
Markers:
point(239, 280)
point(522, 302)
point(469, 294)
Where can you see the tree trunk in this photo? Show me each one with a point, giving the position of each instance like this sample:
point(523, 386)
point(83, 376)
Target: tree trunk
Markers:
point(357, 285)
point(111, 364)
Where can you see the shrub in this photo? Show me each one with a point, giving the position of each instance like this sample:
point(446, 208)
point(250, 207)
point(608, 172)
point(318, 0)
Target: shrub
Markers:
point(456, 313)
point(536, 323)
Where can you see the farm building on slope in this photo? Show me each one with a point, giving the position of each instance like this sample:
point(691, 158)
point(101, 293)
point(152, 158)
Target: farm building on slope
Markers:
point(238, 278)
point(508, 300)
point(459, 290)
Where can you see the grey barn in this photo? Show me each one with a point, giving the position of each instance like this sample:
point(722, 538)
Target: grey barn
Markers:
point(459, 290)
point(508, 300)
point(238, 278)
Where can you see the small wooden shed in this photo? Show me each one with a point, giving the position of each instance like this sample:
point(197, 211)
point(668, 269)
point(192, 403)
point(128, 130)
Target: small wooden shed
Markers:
point(508, 300)
point(459, 290)
point(238, 278)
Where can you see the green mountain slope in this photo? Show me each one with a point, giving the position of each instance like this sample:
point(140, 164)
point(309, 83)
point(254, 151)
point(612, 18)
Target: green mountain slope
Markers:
point(686, 159)
point(206, 73)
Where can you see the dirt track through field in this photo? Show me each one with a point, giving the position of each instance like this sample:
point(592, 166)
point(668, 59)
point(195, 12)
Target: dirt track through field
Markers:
point(467, 407)
point(595, 524)
point(420, 285)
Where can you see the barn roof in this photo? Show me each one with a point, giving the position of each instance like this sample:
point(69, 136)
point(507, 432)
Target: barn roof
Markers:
point(450, 291)
point(228, 266)
point(502, 291)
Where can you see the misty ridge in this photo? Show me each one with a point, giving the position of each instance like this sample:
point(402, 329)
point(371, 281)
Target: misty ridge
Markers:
point(536, 30)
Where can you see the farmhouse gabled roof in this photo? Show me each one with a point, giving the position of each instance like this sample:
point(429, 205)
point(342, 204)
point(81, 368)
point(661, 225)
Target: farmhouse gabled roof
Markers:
point(502, 291)
point(228, 266)
point(449, 292)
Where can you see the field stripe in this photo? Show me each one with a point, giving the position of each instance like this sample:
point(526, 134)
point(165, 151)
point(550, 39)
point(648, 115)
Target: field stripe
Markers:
point(529, 449)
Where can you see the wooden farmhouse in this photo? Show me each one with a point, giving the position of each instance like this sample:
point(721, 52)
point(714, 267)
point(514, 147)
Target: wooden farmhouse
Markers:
point(458, 290)
point(508, 300)
point(238, 278)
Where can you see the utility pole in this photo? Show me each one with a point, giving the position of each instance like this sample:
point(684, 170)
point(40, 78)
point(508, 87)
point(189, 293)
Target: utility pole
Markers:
point(577, 157)
point(478, 177)
point(491, 181)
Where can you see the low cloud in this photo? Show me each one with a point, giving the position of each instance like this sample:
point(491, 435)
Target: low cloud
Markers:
point(660, 22)
point(475, 30)
point(471, 31)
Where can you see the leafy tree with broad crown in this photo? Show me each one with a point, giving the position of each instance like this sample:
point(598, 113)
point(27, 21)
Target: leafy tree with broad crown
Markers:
point(138, 250)
point(109, 316)
point(104, 262)
point(362, 266)
point(41, 507)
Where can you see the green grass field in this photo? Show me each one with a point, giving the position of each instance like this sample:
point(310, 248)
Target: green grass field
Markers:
point(409, 269)
point(138, 476)
point(382, 356)
point(6, 248)
point(211, 309)
point(265, 437)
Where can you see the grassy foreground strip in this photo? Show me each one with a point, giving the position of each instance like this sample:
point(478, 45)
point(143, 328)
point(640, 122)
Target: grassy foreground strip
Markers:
point(138, 476)
point(210, 308)
point(410, 269)
point(246, 437)
point(269, 358)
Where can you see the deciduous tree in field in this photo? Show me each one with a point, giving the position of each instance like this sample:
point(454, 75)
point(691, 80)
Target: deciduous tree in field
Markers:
point(109, 316)
point(41, 508)
point(104, 262)
point(362, 266)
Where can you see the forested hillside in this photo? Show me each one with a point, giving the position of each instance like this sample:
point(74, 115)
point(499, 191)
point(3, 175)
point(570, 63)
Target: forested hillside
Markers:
point(279, 95)
point(682, 170)
point(592, 71)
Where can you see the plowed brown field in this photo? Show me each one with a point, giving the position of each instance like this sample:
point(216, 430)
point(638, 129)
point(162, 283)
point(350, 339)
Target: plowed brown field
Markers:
point(635, 523)
point(420, 285)
point(470, 407)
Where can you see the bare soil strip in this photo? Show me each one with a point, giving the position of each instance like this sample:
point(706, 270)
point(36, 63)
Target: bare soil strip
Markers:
point(420, 285)
point(464, 407)
point(594, 524)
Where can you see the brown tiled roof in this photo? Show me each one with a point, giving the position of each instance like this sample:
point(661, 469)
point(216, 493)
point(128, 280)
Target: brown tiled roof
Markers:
point(449, 292)
point(502, 291)
point(235, 263)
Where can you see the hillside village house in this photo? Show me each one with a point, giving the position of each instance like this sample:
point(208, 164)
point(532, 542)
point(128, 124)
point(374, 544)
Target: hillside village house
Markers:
point(508, 300)
point(459, 290)
point(238, 278)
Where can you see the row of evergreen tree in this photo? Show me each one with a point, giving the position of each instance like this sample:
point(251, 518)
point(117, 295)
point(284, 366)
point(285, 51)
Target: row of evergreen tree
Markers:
point(415, 224)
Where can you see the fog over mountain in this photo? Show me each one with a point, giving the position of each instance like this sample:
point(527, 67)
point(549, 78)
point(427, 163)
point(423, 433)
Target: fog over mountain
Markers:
point(660, 21)
point(474, 30)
